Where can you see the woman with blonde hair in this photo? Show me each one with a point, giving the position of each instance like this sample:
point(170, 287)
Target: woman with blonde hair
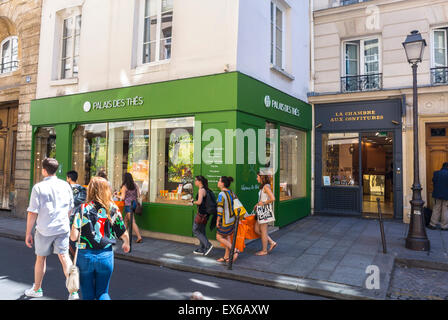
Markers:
point(101, 224)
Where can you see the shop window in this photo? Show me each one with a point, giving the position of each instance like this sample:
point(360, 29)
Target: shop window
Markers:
point(158, 154)
point(128, 151)
point(292, 164)
point(113, 148)
point(171, 164)
point(89, 151)
point(340, 159)
point(44, 147)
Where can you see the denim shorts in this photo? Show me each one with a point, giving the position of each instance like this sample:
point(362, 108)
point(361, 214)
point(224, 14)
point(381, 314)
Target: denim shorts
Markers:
point(128, 208)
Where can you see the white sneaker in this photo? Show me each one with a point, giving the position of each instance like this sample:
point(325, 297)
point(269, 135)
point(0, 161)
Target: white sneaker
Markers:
point(34, 294)
point(73, 296)
point(208, 250)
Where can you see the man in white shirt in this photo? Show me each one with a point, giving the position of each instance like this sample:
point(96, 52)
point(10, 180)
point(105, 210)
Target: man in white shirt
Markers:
point(50, 205)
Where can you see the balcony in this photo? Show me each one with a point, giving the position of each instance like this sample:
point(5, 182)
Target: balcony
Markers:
point(327, 4)
point(369, 82)
point(439, 75)
point(8, 66)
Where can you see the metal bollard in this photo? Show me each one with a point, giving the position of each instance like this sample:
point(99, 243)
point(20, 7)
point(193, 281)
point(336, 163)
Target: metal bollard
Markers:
point(383, 237)
point(235, 233)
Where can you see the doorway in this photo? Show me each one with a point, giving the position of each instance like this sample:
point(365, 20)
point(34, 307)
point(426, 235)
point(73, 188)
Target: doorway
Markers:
point(8, 138)
point(377, 174)
point(436, 154)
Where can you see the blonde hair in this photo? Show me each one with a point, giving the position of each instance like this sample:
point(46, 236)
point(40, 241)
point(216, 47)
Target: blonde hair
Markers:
point(98, 191)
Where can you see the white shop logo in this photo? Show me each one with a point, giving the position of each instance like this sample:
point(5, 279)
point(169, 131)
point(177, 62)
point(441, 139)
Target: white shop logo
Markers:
point(87, 106)
point(268, 102)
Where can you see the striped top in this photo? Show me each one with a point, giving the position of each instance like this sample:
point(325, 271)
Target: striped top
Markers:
point(225, 211)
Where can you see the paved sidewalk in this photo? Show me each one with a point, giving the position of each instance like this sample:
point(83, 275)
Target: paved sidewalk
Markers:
point(321, 255)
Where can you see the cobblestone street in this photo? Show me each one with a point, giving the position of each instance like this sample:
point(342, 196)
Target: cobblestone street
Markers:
point(418, 284)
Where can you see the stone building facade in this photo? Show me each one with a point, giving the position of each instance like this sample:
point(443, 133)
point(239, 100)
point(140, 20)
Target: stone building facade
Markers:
point(19, 39)
point(357, 58)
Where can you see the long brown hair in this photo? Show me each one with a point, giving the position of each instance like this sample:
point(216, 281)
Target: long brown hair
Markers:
point(265, 180)
point(98, 191)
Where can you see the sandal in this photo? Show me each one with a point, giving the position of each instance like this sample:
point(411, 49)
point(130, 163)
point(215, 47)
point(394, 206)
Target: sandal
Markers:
point(223, 259)
point(235, 255)
point(139, 240)
point(261, 253)
point(272, 247)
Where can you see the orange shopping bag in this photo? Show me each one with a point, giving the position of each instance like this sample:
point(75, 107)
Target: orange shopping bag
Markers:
point(246, 230)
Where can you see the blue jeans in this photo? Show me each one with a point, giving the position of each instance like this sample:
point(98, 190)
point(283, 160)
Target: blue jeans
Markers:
point(95, 270)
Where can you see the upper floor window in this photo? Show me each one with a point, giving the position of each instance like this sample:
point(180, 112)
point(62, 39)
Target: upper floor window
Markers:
point(439, 70)
point(277, 35)
point(347, 2)
point(361, 65)
point(71, 35)
point(9, 55)
point(157, 34)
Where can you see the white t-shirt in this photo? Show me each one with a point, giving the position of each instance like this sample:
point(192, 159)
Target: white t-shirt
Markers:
point(52, 199)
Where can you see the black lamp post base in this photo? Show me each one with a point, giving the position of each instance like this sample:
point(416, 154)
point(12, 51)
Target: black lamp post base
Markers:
point(417, 244)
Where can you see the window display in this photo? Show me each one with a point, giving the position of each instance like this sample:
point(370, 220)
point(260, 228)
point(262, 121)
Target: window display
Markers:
point(292, 164)
point(89, 151)
point(158, 154)
point(113, 148)
point(44, 147)
point(340, 158)
point(171, 164)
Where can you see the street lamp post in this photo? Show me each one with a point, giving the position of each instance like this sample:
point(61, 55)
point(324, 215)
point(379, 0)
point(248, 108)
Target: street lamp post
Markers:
point(417, 239)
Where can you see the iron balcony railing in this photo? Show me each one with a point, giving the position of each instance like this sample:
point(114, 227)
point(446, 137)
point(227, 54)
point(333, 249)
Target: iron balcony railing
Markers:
point(439, 75)
point(8, 66)
point(366, 82)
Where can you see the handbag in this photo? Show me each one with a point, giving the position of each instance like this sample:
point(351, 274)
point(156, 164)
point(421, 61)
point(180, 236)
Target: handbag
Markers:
point(200, 218)
point(265, 213)
point(238, 206)
point(138, 208)
point(72, 282)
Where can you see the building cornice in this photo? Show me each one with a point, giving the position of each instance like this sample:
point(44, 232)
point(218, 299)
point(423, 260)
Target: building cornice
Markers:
point(374, 95)
point(359, 8)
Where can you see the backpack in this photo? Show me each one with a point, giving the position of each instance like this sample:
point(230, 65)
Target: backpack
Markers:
point(79, 195)
point(210, 202)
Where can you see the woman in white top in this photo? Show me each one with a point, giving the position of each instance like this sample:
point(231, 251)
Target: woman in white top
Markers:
point(265, 197)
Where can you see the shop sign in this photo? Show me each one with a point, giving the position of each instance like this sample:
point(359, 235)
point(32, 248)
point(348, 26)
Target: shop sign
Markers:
point(271, 103)
point(112, 104)
point(360, 115)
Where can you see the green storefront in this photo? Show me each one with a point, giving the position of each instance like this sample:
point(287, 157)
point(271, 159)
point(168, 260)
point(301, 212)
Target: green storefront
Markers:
point(166, 133)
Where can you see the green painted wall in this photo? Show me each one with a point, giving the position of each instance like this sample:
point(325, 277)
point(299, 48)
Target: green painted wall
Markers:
point(224, 101)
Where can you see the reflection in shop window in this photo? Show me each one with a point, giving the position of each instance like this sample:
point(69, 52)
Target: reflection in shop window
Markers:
point(158, 154)
point(44, 147)
point(292, 164)
point(128, 151)
point(89, 151)
point(171, 164)
point(340, 159)
point(113, 148)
